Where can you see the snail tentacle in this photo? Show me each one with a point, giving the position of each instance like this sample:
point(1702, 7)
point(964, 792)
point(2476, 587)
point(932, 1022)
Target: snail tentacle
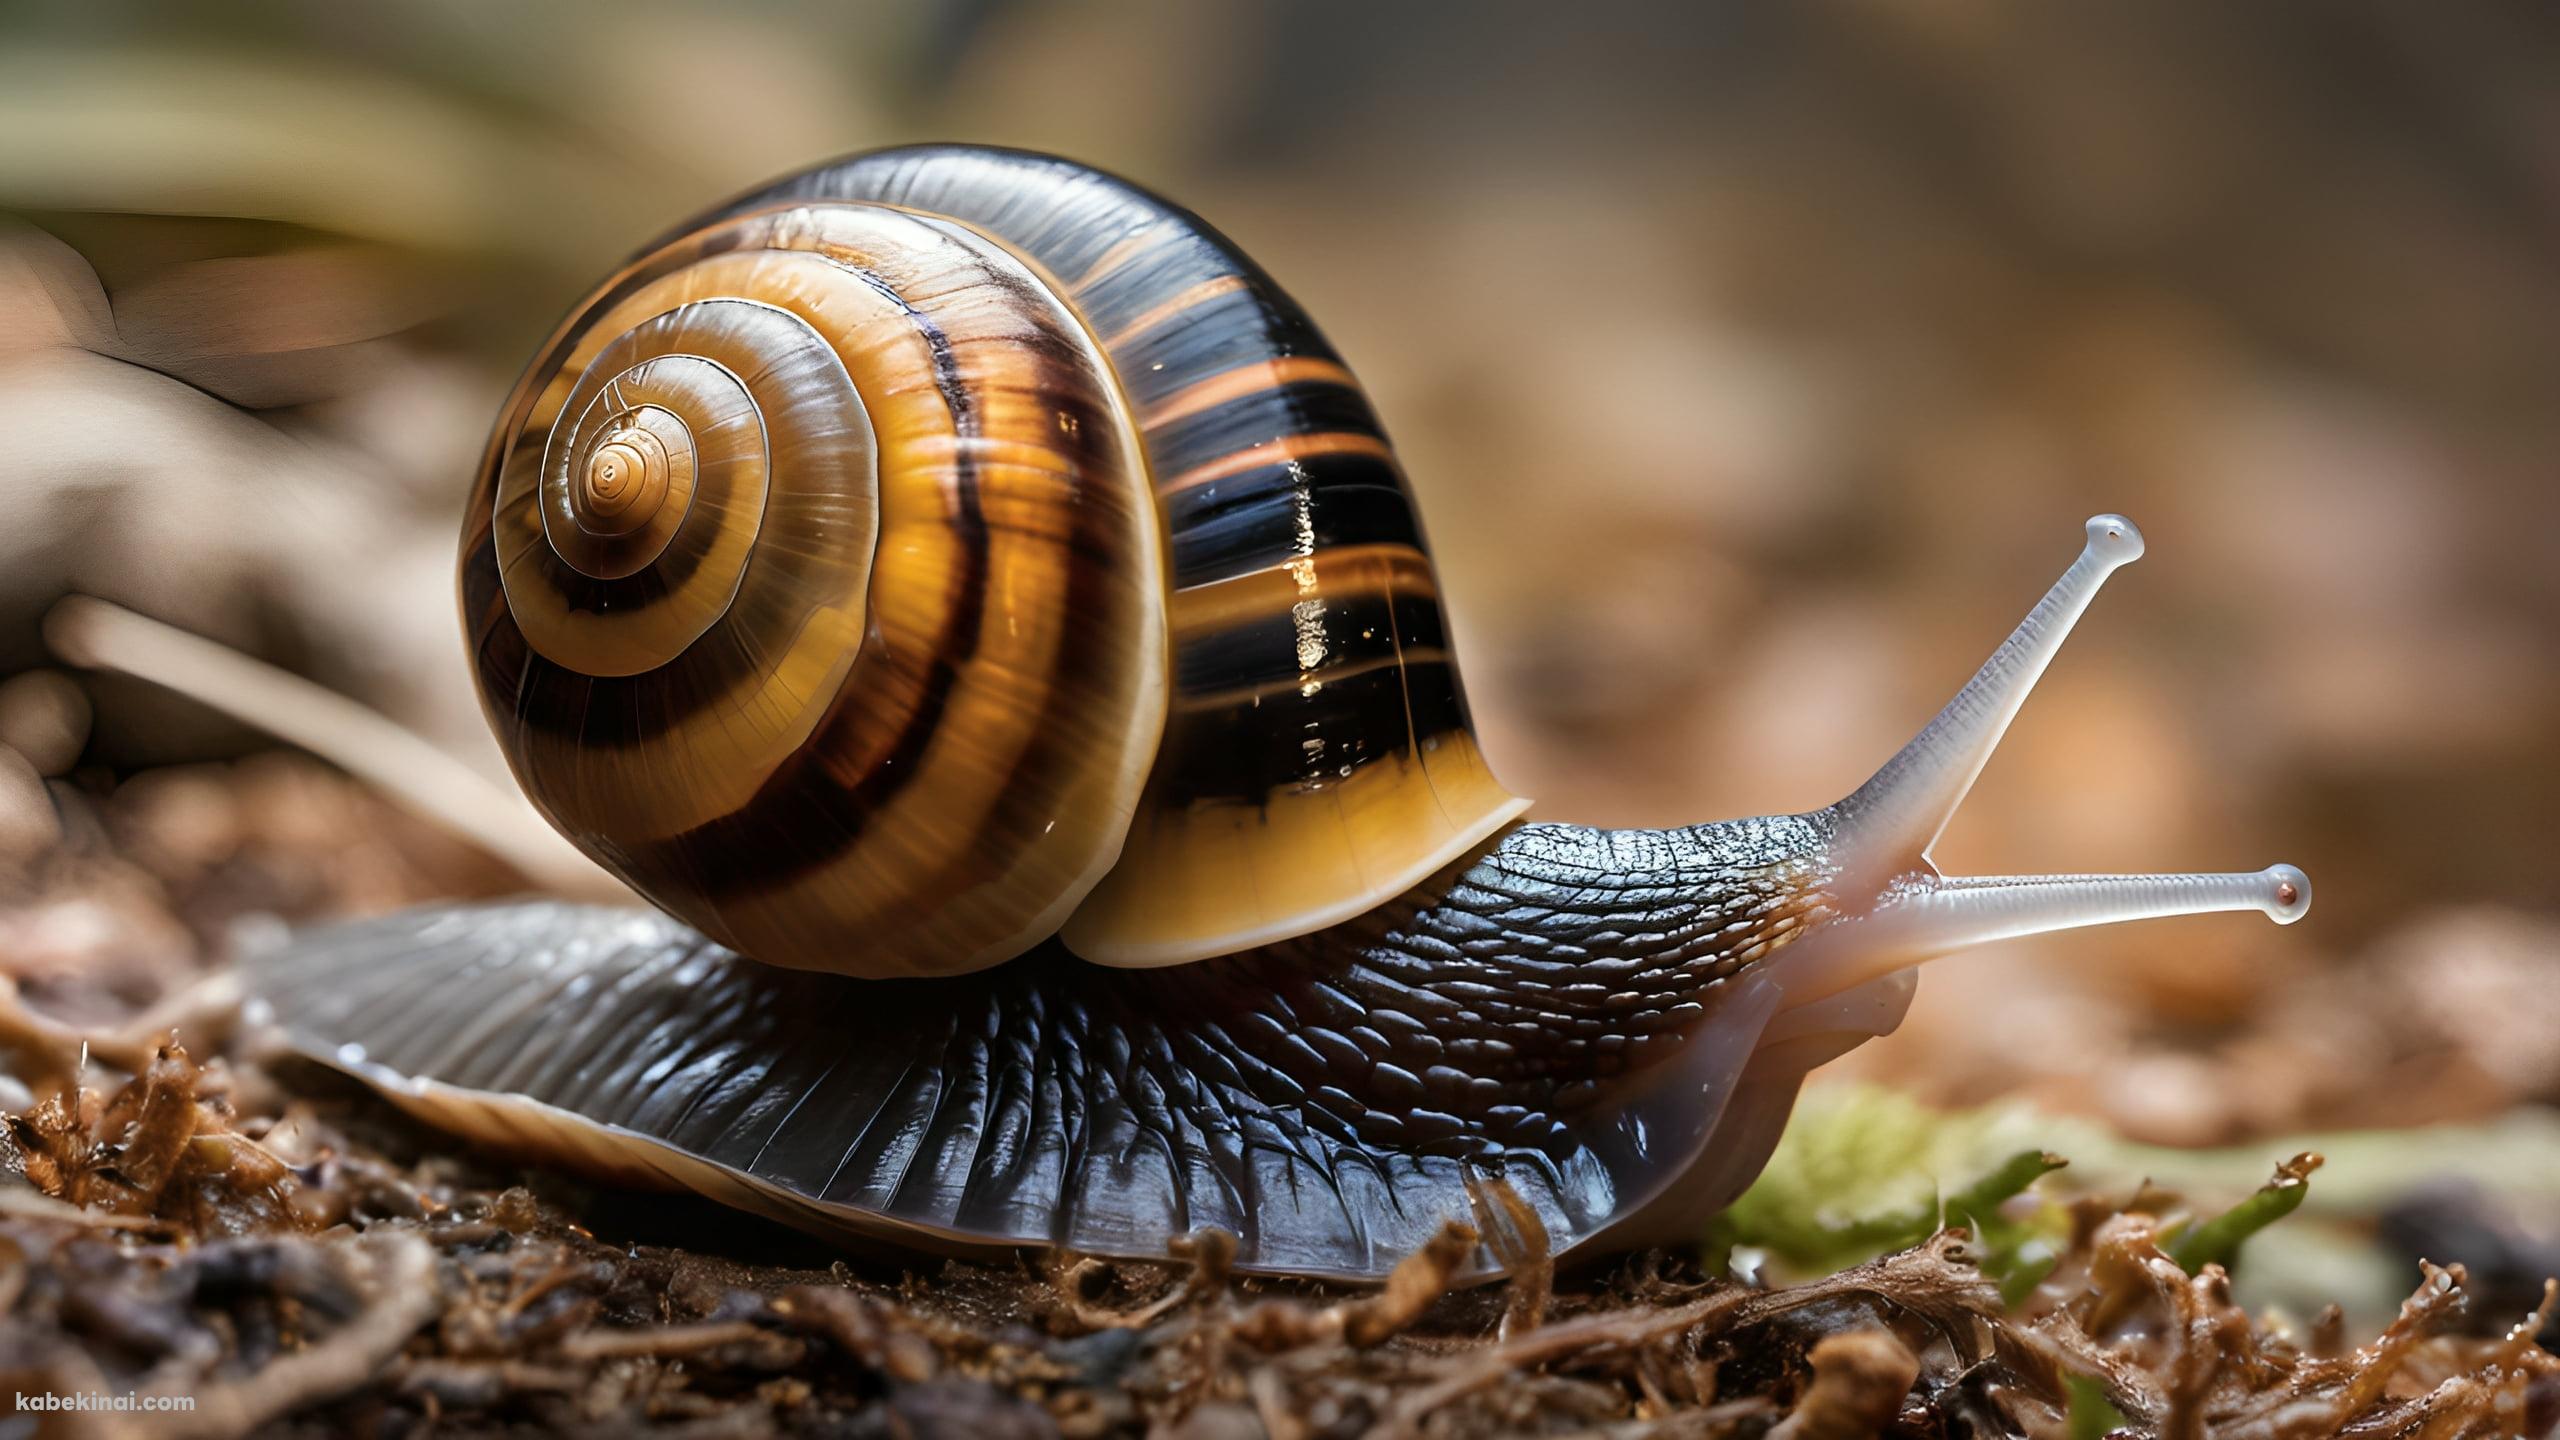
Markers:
point(1923, 916)
point(1894, 818)
point(1906, 911)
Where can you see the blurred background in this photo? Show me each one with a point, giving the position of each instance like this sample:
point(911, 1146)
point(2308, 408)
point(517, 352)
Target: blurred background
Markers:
point(1755, 366)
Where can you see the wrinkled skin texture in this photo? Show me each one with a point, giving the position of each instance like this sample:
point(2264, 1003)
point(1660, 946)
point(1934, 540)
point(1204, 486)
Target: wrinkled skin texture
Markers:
point(1569, 1009)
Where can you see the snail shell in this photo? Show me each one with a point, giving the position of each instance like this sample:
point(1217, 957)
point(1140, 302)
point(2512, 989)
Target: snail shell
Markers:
point(952, 546)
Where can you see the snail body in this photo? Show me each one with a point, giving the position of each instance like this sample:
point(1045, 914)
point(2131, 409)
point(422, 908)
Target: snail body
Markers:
point(965, 584)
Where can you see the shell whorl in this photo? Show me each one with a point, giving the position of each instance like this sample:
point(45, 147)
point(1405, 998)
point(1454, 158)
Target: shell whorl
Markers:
point(816, 590)
point(949, 547)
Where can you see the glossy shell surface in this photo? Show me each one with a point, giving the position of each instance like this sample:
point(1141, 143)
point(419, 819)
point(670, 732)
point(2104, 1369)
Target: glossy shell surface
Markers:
point(948, 546)
point(884, 657)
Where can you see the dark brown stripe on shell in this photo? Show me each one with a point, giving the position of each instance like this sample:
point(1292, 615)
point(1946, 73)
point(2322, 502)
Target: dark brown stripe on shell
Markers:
point(802, 817)
point(1230, 329)
point(1287, 474)
point(1256, 519)
point(1260, 418)
point(1133, 330)
point(1070, 219)
point(624, 710)
point(1349, 724)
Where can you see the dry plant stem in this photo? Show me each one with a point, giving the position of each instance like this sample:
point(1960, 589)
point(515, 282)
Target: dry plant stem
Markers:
point(2218, 1379)
point(856, 1325)
point(1519, 1240)
point(481, 1382)
point(2524, 1338)
point(50, 1053)
point(95, 634)
point(1212, 1254)
point(1938, 1269)
point(1417, 1280)
point(2436, 1298)
point(1711, 1420)
point(1686, 1425)
point(660, 1341)
point(73, 1373)
point(22, 1204)
point(399, 1273)
point(1859, 1379)
point(2211, 1332)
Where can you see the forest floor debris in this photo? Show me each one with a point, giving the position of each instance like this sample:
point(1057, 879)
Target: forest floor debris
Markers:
point(275, 1244)
point(297, 1258)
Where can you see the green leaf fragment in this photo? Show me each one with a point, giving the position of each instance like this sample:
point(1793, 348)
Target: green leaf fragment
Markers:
point(1978, 1204)
point(2021, 1270)
point(1858, 1172)
point(2217, 1241)
point(1787, 1221)
point(2091, 1417)
point(2016, 1255)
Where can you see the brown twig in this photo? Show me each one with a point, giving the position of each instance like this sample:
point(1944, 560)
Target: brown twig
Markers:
point(661, 1340)
point(397, 1272)
point(1938, 1274)
point(97, 635)
point(1519, 1240)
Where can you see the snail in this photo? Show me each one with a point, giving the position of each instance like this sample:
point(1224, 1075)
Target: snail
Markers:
point(964, 583)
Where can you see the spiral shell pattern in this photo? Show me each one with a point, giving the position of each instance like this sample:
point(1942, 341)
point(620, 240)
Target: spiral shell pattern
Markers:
point(815, 588)
point(950, 547)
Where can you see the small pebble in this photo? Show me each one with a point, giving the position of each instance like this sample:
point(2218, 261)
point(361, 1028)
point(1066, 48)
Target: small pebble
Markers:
point(182, 813)
point(44, 716)
point(27, 824)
